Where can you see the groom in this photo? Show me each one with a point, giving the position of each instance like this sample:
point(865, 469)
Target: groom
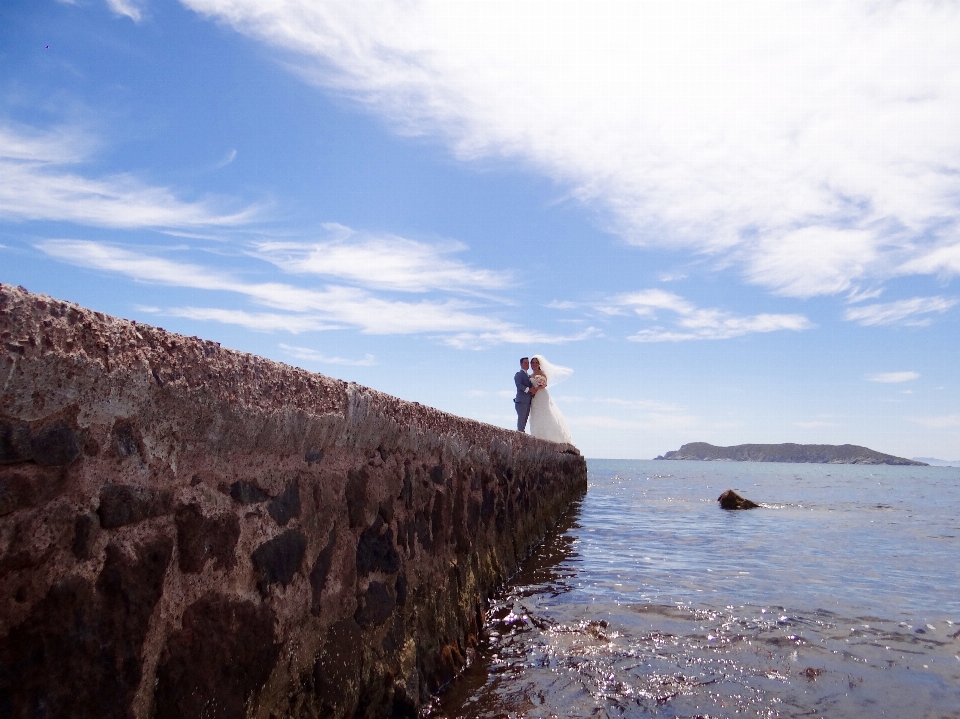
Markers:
point(525, 392)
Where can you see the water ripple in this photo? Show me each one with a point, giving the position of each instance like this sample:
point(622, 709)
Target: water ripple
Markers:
point(838, 598)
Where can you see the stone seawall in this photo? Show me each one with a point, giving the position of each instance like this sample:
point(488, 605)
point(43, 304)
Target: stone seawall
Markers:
point(189, 531)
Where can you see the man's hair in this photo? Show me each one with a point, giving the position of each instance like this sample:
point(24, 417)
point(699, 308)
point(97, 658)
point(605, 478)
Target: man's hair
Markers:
point(524, 359)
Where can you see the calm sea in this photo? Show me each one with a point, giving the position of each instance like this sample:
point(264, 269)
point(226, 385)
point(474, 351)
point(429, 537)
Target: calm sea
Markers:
point(839, 598)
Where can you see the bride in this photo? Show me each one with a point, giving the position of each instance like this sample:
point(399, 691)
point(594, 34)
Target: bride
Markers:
point(546, 421)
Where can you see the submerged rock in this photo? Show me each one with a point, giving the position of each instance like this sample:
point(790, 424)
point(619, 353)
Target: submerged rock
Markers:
point(732, 500)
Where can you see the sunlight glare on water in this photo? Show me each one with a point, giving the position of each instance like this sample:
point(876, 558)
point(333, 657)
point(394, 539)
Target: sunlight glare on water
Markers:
point(840, 597)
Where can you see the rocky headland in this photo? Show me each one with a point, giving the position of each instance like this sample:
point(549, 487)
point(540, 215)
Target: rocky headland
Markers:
point(190, 531)
point(795, 453)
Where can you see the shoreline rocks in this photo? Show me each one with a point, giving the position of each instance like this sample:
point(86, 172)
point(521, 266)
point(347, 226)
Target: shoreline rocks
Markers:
point(731, 500)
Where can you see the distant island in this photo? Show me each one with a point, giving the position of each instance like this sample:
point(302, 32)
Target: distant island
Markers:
point(813, 453)
point(934, 462)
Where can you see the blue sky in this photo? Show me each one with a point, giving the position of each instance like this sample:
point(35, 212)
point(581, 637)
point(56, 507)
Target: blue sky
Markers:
point(737, 221)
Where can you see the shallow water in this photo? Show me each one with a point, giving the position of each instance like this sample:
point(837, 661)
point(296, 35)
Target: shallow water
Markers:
point(840, 597)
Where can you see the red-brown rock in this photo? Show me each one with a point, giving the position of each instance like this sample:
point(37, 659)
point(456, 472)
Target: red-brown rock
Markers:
point(192, 531)
point(731, 500)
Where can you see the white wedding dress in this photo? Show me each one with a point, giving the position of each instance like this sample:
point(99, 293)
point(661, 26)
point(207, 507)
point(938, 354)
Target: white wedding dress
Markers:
point(546, 421)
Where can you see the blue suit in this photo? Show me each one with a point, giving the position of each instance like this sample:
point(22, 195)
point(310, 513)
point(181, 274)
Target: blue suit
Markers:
point(523, 398)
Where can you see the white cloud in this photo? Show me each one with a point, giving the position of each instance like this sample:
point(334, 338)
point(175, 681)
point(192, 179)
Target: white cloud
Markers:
point(622, 414)
point(256, 321)
point(126, 8)
point(310, 309)
point(941, 260)
point(693, 323)
point(36, 184)
point(901, 311)
point(893, 377)
point(517, 335)
point(944, 422)
point(227, 159)
point(382, 262)
point(813, 141)
point(311, 355)
point(812, 261)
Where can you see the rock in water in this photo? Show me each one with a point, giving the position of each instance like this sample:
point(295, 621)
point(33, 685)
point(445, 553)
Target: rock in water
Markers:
point(732, 500)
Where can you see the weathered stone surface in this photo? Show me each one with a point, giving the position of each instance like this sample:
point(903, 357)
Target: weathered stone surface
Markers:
point(223, 654)
point(376, 551)
point(286, 505)
point(247, 493)
point(377, 605)
point(124, 504)
point(192, 531)
point(278, 560)
point(125, 440)
point(77, 654)
point(337, 671)
point(321, 569)
point(85, 528)
point(200, 539)
point(356, 493)
point(14, 442)
point(27, 485)
point(55, 445)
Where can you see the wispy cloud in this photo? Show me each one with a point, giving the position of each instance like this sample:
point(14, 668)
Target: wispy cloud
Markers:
point(811, 261)
point(623, 414)
point(517, 335)
point(676, 152)
point(310, 355)
point(256, 321)
point(693, 323)
point(382, 262)
point(126, 8)
point(944, 259)
point(943, 422)
point(227, 159)
point(332, 306)
point(899, 312)
point(643, 405)
point(36, 184)
point(893, 377)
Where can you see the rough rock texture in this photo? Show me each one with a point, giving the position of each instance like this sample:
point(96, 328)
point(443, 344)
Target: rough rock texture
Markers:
point(731, 500)
point(813, 453)
point(188, 531)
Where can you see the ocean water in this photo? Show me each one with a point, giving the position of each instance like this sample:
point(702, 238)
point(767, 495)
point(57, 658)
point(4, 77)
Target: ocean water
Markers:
point(840, 597)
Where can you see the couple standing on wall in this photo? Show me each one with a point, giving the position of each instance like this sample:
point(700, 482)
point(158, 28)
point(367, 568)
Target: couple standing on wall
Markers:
point(533, 399)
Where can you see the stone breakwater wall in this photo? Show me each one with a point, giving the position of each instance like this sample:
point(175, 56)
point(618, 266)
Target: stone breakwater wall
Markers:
point(189, 531)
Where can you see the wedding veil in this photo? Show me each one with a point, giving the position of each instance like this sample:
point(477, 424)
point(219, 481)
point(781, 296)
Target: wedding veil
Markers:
point(554, 372)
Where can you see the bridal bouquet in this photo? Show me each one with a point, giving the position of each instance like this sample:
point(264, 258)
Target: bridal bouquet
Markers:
point(539, 380)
